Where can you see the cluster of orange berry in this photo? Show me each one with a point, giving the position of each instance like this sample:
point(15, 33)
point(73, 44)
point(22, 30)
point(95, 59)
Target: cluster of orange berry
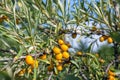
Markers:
point(61, 54)
point(111, 75)
point(29, 61)
point(22, 71)
point(105, 37)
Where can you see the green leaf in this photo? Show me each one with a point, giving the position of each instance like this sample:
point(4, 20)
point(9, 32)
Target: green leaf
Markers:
point(71, 77)
point(75, 63)
point(115, 36)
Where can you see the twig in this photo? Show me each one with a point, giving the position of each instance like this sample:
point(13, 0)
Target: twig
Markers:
point(111, 64)
point(13, 59)
point(50, 76)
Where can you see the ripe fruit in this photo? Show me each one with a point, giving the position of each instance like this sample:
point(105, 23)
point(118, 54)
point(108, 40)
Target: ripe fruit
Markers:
point(60, 41)
point(97, 55)
point(101, 39)
point(64, 47)
point(35, 64)
point(29, 70)
point(111, 78)
point(79, 53)
point(43, 57)
point(111, 73)
point(110, 40)
point(65, 55)
point(21, 72)
point(29, 59)
point(56, 50)
point(59, 67)
point(102, 60)
point(74, 35)
point(58, 56)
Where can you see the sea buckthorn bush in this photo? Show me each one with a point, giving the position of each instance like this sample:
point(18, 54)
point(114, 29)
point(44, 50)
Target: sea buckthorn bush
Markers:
point(38, 40)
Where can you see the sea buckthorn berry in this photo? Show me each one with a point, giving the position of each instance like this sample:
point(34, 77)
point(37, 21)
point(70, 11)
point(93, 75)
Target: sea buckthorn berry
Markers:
point(111, 78)
point(79, 53)
point(56, 50)
point(58, 56)
point(64, 47)
point(111, 73)
point(74, 35)
point(97, 55)
point(102, 60)
point(59, 67)
point(60, 41)
point(35, 64)
point(29, 70)
point(21, 72)
point(43, 57)
point(110, 40)
point(101, 39)
point(29, 59)
point(65, 55)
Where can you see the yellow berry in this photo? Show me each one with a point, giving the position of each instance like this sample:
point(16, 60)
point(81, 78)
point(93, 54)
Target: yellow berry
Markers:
point(102, 60)
point(111, 73)
point(35, 64)
point(64, 47)
point(101, 39)
point(29, 70)
point(110, 40)
point(60, 41)
point(58, 56)
point(29, 59)
point(56, 50)
point(111, 78)
point(65, 55)
point(43, 57)
point(59, 67)
point(21, 72)
point(79, 53)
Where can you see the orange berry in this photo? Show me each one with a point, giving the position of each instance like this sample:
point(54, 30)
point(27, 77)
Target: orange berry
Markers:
point(56, 50)
point(29, 59)
point(65, 55)
point(21, 72)
point(97, 55)
point(111, 73)
point(79, 53)
point(58, 56)
point(29, 70)
point(110, 40)
point(59, 67)
point(43, 57)
point(59, 60)
point(35, 64)
point(111, 78)
point(102, 60)
point(60, 41)
point(101, 39)
point(64, 47)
